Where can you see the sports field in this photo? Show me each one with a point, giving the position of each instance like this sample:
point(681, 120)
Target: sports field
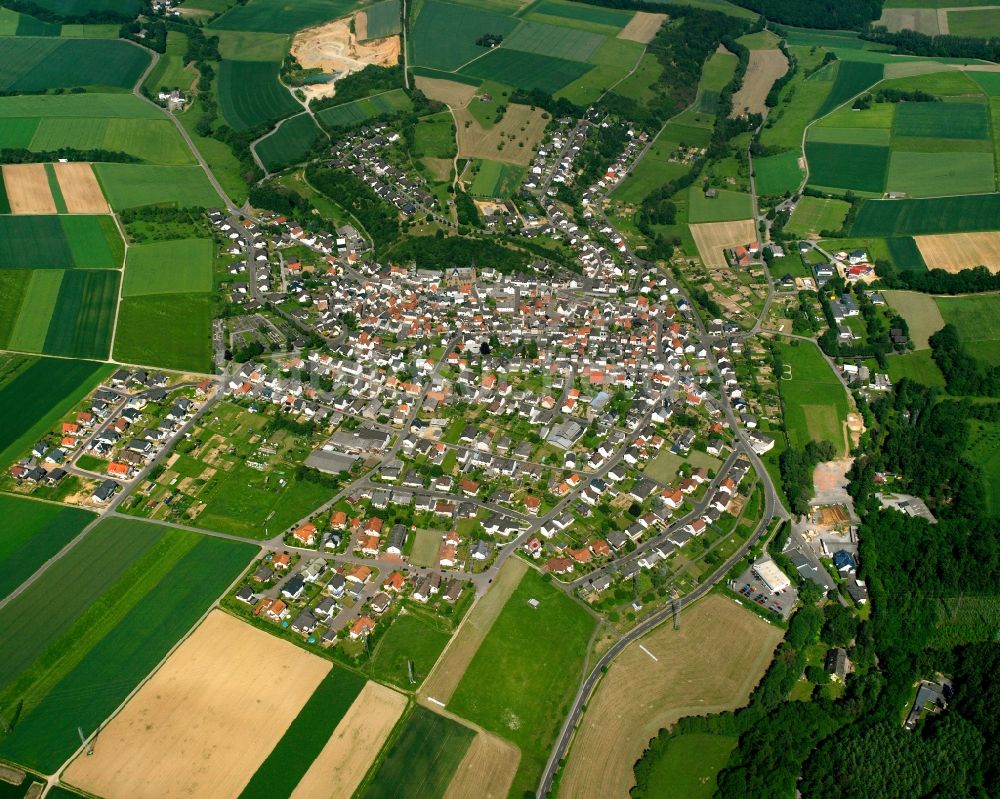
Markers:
point(814, 400)
point(290, 143)
point(528, 653)
point(777, 174)
point(137, 588)
point(815, 214)
point(59, 242)
point(170, 331)
point(443, 35)
point(711, 664)
point(38, 64)
point(346, 757)
point(355, 113)
point(422, 760)
point(977, 317)
point(938, 215)
point(56, 386)
point(169, 267)
point(135, 185)
point(282, 16)
point(33, 533)
point(223, 675)
point(250, 94)
point(412, 638)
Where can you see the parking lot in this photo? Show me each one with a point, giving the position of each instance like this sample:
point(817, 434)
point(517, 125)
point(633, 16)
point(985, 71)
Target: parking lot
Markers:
point(754, 590)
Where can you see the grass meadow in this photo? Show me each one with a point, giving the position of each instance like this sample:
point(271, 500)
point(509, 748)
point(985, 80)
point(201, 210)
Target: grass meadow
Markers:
point(814, 214)
point(528, 654)
point(689, 767)
point(496, 179)
point(38, 64)
point(977, 318)
point(814, 401)
point(357, 112)
point(726, 206)
point(169, 331)
point(918, 366)
point(853, 77)
point(169, 267)
point(777, 174)
point(443, 35)
point(136, 185)
point(411, 637)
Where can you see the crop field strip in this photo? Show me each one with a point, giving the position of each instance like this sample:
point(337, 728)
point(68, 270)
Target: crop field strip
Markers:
point(169, 267)
point(134, 185)
point(383, 19)
point(250, 94)
point(59, 242)
point(443, 35)
point(38, 64)
point(290, 143)
point(357, 112)
point(80, 189)
point(156, 608)
point(961, 214)
point(27, 187)
point(526, 70)
point(171, 331)
point(555, 41)
point(282, 16)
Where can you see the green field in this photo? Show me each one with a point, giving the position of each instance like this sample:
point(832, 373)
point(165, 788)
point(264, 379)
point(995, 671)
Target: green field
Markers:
point(56, 385)
point(170, 72)
point(981, 23)
point(905, 254)
point(916, 217)
point(59, 242)
point(649, 174)
point(942, 120)
point(52, 106)
point(250, 94)
point(689, 766)
point(136, 185)
point(169, 267)
point(815, 214)
point(607, 20)
point(383, 19)
point(777, 174)
point(918, 366)
point(526, 70)
point(847, 166)
point(977, 318)
point(38, 64)
point(853, 77)
point(34, 532)
point(935, 174)
point(554, 40)
point(529, 653)
point(640, 85)
point(134, 612)
point(443, 35)
point(78, 8)
point(170, 331)
point(14, 24)
point(305, 737)
point(290, 143)
point(717, 73)
point(422, 760)
point(725, 207)
point(358, 112)
point(253, 45)
point(496, 179)
point(282, 16)
point(13, 287)
point(985, 451)
point(410, 638)
point(814, 401)
point(800, 101)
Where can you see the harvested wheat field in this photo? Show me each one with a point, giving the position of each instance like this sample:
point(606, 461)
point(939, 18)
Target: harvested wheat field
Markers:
point(447, 673)
point(347, 756)
point(517, 134)
point(712, 238)
point(28, 189)
point(922, 314)
point(486, 771)
point(449, 92)
point(202, 724)
point(711, 664)
point(765, 67)
point(642, 27)
point(954, 252)
point(80, 188)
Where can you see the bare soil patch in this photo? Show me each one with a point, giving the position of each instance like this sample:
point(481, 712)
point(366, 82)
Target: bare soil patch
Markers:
point(486, 771)
point(711, 664)
point(202, 724)
point(80, 188)
point(954, 252)
point(28, 189)
point(642, 27)
point(347, 756)
point(712, 238)
point(334, 48)
point(449, 92)
point(447, 673)
point(764, 68)
point(513, 139)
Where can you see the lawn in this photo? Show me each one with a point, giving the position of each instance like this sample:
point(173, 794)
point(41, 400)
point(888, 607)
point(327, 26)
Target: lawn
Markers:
point(690, 765)
point(918, 366)
point(526, 70)
point(170, 331)
point(357, 112)
point(290, 143)
point(778, 174)
point(938, 215)
point(443, 35)
point(726, 206)
point(422, 760)
point(815, 214)
point(410, 638)
point(55, 385)
point(942, 120)
point(977, 317)
point(426, 544)
point(847, 166)
point(663, 468)
point(528, 654)
point(815, 402)
point(155, 608)
point(282, 16)
point(34, 532)
point(250, 94)
point(305, 737)
point(169, 267)
point(38, 64)
point(59, 242)
point(136, 185)
point(934, 174)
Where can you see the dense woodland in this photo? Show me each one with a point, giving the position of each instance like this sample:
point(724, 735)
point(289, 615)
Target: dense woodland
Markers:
point(963, 373)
